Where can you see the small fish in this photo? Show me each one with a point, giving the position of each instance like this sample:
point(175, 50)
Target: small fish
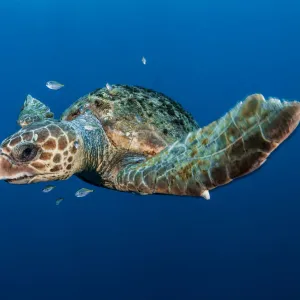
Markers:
point(57, 202)
point(48, 188)
point(83, 192)
point(35, 137)
point(76, 144)
point(144, 61)
point(90, 127)
point(54, 85)
point(108, 86)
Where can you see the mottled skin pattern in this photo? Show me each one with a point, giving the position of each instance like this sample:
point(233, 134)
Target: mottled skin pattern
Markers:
point(167, 153)
point(45, 148)
point(33, 110)
point(231, 147)
point(135, 118)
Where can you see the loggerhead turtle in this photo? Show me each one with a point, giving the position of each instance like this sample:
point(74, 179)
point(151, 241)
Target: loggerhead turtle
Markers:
point(137, 140)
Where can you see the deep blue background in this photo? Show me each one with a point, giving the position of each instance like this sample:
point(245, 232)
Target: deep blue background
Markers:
point(244, 243)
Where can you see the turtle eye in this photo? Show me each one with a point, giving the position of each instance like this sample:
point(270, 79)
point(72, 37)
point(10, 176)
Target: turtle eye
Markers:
point(25, 152)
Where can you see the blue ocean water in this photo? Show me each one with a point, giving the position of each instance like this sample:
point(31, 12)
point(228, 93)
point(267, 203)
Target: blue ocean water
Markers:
point(244, 243)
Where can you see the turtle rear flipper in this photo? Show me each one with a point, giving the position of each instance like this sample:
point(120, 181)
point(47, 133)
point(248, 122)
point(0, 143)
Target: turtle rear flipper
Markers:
point(33, 110)
point(233, 146)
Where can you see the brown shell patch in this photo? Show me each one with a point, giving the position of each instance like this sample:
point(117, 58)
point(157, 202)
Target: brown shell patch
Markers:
point(70, 159)
point(66, 153)
point(204, 141)
point(46, 156)
point(102, 104)
point(145, 141)
point(14, 142)
point(57, 158)
point(50, 144)
point(42, 135)
point(194, 152)
point(69, 167)
point(62, 143)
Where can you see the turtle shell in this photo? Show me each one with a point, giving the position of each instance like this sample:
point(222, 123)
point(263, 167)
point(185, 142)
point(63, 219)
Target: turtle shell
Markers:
point(135, 118)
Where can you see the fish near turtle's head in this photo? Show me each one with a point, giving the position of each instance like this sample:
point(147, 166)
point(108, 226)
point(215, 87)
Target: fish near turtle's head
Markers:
point(43, 151)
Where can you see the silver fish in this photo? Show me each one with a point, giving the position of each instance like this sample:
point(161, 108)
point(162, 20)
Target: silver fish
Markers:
point(108, 86)
point(54, 85)
point(48, 188)
point(83, 192)
point(144, 61)
point(57, 202)
point(76, 144)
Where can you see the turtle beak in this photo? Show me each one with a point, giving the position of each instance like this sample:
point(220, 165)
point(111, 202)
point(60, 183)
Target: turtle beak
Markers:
point(12, 173)
point(5, 167)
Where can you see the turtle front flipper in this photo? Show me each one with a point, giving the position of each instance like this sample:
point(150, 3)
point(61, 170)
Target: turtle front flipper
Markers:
point(33, 110)
point(233, 146)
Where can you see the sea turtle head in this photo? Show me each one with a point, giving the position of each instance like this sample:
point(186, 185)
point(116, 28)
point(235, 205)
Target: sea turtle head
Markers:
point(41, 151)
point(33, 110)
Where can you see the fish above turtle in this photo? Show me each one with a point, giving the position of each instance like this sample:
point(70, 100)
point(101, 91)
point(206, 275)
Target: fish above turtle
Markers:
point(144, 142)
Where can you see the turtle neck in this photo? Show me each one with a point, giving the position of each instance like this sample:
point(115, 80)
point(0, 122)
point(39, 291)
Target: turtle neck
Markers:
point(94, 143)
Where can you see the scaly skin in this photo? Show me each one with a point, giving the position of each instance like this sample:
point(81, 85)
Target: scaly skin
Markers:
point(55, 150)
point(233, 146)
point(51, 150)
point(41, 151)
